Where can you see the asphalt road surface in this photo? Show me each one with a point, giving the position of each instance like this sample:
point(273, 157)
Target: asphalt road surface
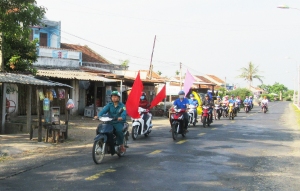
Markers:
point(255, 151)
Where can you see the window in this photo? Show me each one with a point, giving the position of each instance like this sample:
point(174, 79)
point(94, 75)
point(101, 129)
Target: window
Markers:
point(43, 39)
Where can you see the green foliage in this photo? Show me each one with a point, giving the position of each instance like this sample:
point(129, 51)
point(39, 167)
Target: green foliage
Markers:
point(125, 64)
point(16, 18)
point(288, 99)
point(242, 92)
point(177, 72)
point(159, 73)
point(250, 73)
point(221, 92)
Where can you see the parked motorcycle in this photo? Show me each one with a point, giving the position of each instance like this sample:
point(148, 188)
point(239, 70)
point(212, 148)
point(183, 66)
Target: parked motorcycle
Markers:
point(231, 111)
point(218, 111)
point(105, 141)
point(206, 117)
point(224, 110)
point(177, 120)
point(264, 108)
point(192, 118)
point(139, 126)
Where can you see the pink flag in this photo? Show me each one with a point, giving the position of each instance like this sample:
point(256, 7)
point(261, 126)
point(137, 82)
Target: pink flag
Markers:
point(188, 82)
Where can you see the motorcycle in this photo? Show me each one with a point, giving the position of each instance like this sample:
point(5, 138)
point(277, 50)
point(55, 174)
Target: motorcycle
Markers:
point(224, 110)
point(236, 109)
point(105, 141)
point(218, 111)
point(138, 125)
point(192, 118)
point(231, 111)
point(264, 108)
point(206, 117)
point(246, 107)
point(178, 125)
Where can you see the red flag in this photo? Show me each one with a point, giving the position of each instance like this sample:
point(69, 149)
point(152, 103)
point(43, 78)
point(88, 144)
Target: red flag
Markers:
point(132, 103)
point(159, 97)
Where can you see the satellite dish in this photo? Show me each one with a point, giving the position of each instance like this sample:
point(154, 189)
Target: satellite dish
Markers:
point(84, 84)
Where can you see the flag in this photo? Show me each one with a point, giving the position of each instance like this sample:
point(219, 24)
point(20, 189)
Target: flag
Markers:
point(188, 82)
point(132, 103)
point(199, 108)
point(159, 97)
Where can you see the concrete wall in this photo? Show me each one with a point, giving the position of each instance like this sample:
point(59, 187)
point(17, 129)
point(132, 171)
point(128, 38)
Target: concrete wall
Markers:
point(57, 63)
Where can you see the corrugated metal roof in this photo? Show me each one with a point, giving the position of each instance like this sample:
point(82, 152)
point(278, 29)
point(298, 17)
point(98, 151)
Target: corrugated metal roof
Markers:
point(27, 79)
point(78, 75)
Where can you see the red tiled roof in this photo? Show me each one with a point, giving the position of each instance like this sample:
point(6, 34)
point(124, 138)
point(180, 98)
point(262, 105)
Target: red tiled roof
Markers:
point(204, 79)
point(216, 78)
point(88, 55)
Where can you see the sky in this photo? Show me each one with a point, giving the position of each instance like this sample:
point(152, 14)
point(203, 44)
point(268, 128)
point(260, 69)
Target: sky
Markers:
point(207, 36)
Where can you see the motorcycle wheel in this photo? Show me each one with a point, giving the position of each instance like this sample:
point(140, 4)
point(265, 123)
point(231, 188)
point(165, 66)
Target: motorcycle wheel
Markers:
point(174, 132)
point(134, 132)
point(204, 121)
point(97, 151)
point(223, 113)
point(264, 110)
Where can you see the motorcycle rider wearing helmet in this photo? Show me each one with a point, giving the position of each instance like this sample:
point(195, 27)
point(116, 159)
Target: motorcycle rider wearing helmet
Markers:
point(145, 104)
point(194, 102)
point(232, 100)
point(182, 103)
point(251, 101)
point(218, 102)
point(113, 108)
point(209, 104)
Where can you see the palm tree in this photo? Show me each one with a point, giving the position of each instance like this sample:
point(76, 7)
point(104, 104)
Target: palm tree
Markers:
point(250, 73)
point(177, 72)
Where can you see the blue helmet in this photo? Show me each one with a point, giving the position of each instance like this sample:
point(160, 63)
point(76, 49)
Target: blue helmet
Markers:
point(181, 92)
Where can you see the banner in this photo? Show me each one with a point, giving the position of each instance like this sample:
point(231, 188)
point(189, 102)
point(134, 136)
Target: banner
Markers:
point(199, 108)
point(159, 97)
point(188, 82)
point(132, 103)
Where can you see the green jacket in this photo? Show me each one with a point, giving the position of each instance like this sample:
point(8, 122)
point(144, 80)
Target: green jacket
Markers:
point(112, 111)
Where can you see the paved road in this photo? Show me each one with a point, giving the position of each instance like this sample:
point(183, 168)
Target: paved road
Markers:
point(256, 151)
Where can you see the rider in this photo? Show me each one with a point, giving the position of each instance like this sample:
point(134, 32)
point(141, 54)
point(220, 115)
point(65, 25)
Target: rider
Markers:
point(226, 101)
point(218, 102)
point(113, 108)
point(195, 103)
point(209, 104)
point(232, 100)
point(265, 102)
point(251, 102)
point(145, 104)
point(182, 103)
point(247, 101)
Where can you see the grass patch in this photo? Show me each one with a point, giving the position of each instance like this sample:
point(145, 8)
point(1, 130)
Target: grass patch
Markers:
point(297, 114)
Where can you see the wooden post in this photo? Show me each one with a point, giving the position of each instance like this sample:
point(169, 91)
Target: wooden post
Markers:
point(38, 106)
point(66, 114)
point(28, 108)
point(3, 108)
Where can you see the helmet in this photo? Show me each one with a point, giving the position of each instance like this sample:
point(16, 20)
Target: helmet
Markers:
point(250, 96)
point(143, 96)
point(206, 95)
point(115, 93)
point(232, 95)
point(218, 97)
point(192, 95)
point(265, 97)
point(181, 92)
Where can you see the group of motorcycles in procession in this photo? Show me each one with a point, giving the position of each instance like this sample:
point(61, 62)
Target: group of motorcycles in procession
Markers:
point(182, 114)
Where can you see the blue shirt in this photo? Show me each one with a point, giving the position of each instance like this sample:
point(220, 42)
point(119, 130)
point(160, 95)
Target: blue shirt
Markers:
point(181, 104)
point(113, 111)
point(193, 102)
point(246, 101)
point(231, 101)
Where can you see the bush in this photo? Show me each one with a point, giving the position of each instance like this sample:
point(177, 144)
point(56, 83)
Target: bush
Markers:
point(242, 92)
point(288, 99)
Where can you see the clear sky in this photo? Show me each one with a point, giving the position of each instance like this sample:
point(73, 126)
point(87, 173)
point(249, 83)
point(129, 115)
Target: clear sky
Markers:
point(207, 36)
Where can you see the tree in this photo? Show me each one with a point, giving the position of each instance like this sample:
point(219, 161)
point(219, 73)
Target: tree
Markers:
point(125, 64)
point(177, 72)
point(16, 18)
point(159, 72)
point(242, 92)
point(250, 73)
point(277, 88)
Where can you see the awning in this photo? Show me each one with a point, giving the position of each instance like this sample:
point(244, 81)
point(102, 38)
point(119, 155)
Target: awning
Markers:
point(71, 74)
point(27, 79)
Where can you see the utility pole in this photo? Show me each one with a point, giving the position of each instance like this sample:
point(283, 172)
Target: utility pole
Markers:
point(151, 66)
point(298, 104)
point(180, 66)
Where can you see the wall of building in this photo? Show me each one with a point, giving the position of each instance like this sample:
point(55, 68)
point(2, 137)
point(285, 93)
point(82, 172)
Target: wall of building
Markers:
point(56, 62)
